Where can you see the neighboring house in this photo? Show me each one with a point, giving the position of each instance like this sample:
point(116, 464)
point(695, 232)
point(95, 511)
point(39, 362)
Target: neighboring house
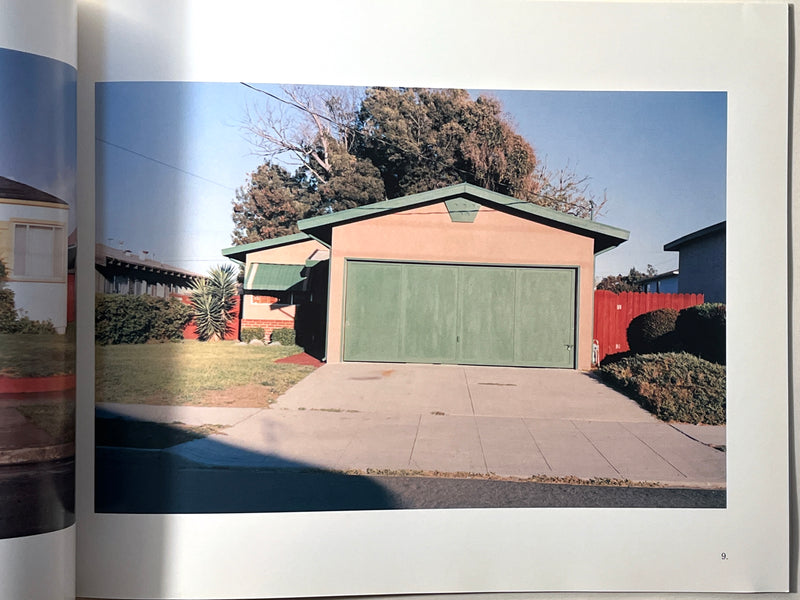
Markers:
point(663, 283)
point(124, 272)
point(701, 262)
point(33, 245)
point(456, 275)
point(277, 288)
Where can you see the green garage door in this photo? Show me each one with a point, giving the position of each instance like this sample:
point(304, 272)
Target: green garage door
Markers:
point(459, 314)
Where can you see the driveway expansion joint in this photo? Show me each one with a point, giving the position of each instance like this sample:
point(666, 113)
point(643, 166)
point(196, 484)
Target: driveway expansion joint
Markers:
point(656, 452)
point(605, 458)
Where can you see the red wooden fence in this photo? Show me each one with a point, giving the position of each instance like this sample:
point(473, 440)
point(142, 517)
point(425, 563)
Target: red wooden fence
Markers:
point(614, 312)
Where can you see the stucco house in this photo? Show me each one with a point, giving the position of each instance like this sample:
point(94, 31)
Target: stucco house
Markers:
point(33, 245)
point(701, 262)
point(285, 285)
point(663, 283)
point(456, 275)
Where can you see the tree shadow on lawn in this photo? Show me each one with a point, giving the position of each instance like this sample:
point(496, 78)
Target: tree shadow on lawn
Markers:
point(135, 473)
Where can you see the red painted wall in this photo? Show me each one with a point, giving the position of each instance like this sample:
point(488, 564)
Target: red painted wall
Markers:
point(614, 312)
point(70, 297)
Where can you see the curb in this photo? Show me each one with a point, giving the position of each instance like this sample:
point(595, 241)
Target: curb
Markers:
point(18, 456)
point(35, 385)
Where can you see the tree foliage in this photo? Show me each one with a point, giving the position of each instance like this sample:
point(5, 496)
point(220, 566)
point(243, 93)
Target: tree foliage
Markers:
point(626, 283)
point(352, 148)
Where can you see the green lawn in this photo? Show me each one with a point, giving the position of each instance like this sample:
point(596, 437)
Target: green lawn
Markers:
point(194, 373)
point(32, 355)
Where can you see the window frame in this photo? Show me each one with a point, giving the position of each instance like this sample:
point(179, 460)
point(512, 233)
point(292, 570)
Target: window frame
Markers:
point(59, 263)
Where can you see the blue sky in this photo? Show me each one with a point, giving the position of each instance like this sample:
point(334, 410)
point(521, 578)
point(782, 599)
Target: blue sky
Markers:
point(171, 155)
point(38, 123)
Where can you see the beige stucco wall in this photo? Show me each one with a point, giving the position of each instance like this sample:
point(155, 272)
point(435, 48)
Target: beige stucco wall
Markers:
point(284, 313)
point(290, 254)
point(427, 234)
point(41, 300)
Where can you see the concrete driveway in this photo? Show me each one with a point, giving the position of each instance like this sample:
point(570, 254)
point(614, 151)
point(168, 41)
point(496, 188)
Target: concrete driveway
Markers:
point(458, 419)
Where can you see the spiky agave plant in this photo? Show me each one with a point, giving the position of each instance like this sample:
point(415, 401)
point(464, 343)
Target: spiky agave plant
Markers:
point(213, 300)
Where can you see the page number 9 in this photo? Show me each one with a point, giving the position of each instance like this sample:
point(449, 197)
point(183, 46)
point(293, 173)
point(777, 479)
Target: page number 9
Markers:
point(723, 556)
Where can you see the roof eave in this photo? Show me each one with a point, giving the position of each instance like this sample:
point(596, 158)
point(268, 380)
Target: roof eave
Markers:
point(239, 253)
point(606, 236)
point(675, 245)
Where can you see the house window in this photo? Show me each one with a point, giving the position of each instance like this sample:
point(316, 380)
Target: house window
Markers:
point(40, 252)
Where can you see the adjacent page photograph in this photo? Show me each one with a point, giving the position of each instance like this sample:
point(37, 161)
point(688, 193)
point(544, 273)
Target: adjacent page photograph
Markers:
point(38, 237)
point(421, 315)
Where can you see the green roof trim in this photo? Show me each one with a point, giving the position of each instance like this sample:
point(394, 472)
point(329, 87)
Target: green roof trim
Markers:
point(605, 236)
point(462, 210)
point(274, 278)
point(239, 252)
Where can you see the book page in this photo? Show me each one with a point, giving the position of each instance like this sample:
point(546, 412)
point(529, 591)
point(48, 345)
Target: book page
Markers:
point(38, 77)
point(430, 454)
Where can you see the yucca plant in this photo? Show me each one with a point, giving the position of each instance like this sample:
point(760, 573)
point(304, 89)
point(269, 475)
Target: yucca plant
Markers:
point(213, 301)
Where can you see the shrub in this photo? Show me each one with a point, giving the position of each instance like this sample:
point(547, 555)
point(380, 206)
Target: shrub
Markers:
point(8, 314)
point(653, 331)
point(284, 336)
point(673, 386)
point(252, 333)
point(701, 331)
point(610, 359)
point(121, 319)
point(26, 325)
point(213, 302)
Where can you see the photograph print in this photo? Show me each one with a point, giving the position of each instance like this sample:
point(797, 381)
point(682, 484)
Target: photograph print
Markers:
point(37, 303)
point(363, 298)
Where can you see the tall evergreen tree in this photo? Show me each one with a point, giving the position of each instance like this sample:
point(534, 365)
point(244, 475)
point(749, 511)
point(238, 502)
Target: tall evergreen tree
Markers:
point(388, 142)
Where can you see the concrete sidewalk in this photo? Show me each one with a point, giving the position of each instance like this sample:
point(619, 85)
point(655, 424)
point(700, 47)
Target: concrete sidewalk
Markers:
point(21, 440)
point(455, 419)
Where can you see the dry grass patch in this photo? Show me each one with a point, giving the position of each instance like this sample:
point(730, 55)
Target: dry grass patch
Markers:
point(195, 373)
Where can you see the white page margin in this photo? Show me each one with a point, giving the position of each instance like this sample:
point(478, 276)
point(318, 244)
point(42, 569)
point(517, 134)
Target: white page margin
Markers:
point(268, 555)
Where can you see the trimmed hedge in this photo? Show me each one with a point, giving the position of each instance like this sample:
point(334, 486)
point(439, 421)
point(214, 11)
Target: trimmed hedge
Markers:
point(122, 319)
point(284, 336)
point(251, 333)
point(701, 331)
point(673, 386)
point(653, 331)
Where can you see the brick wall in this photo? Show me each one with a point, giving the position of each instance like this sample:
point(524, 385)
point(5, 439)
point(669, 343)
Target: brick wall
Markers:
point(268, 325)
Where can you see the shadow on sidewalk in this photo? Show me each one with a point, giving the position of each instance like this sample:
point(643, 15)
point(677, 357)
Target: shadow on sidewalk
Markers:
point(133, 476)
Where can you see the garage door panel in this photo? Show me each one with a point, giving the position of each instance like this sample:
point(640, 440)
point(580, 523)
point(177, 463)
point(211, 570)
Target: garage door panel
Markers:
point(545, 317)
point(487, 316)
point(429, 333)
point(373, 311)
point(466, 314)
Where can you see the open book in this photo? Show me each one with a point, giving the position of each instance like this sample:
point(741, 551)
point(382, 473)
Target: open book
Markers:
point(346, 299)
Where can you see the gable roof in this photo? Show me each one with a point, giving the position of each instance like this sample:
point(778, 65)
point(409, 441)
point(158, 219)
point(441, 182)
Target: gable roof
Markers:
point(14, 190)
point(695, 235)
point(239, 253)
point(605, 236)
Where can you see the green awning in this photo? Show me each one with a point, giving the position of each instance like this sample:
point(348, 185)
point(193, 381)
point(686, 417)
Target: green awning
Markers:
point(274, 278)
